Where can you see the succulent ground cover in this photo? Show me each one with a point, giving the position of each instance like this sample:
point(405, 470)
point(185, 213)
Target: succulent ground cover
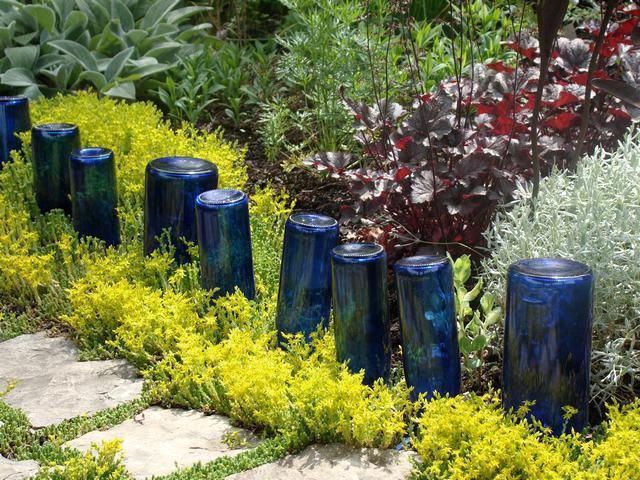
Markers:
point(222, 357)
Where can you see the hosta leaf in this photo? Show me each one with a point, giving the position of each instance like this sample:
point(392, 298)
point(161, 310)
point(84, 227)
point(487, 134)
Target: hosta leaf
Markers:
point(97, 79)
point(6, 34)
point(117, 63)
point(124, 90)
point(157, 12)
point(23, 57)
point(147, 70)
point(25, 39)
point(47, 61)
point(136, 37)
point(76, 19)
point(164, 49)
point(187, 33)
point(86, 9)
point(32, 92)
point(121, 12)
point(78, 52)
point(44, 16)
point(180, 14)
point(18, 77)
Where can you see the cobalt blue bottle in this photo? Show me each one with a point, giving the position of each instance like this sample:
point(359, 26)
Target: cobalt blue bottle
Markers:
point(304, 297)
point(14, 118)
point(94, 194)
point(51, 147)
point(428, 322)
point(547, 345)
point(360, 309)
point(172, 185)
point(224, 239)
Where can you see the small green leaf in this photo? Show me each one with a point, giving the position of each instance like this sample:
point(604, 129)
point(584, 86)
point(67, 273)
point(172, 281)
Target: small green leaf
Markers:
point(23, 57)
point(462, 269)
point(44, 16)
point(478, 343)
point(493, 317)
point(97, 79)
point(157, 12)
point(473, 294)
point(78, 52)
point(487, 301)
point(121, 12)
point(180, 14)
point(117, 63)
point(76, 19)
point(18, 77)
point(124, 90)
point(465, 346)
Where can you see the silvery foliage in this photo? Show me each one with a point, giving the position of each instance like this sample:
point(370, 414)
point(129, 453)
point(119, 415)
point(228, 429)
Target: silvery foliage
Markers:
point(592, 216)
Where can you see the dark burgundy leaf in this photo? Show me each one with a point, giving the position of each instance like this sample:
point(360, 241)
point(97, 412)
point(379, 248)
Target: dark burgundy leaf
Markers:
point(574, 55)
point(424, 186)
point(622, 90)
point(331, 161)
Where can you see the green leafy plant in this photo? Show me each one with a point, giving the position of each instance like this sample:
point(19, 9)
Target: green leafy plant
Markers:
point(477, 328)
point(228, 84)
point(120, 48)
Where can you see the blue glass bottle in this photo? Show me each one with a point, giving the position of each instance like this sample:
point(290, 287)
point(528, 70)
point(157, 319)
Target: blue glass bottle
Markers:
point(304, 297)
point(547, 343)
point(94, 194)
point(14, 118)
point(51, 147)
point(224, 240)
point(172, 185)
point(428, 322)
point(360, 309)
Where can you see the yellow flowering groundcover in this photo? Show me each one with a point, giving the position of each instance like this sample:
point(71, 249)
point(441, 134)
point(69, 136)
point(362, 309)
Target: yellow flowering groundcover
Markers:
point(221, 355)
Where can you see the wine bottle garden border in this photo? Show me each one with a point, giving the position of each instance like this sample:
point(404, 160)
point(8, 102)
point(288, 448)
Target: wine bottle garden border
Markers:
point(225, 359)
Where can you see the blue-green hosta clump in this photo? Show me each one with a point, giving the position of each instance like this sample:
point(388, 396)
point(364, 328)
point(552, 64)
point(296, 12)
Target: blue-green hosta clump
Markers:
point(592, 216)
point(121, 48)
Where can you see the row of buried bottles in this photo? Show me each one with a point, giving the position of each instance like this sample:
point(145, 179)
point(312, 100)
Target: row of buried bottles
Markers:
point(549, 301)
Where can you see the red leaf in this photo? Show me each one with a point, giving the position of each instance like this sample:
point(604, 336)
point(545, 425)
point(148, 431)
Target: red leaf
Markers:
point(402, 173)
point(562, 121)
point(506, 125)
point(500, 67)
point(402, 142)
point(621, 114)
point(530, 53)
point(581, 78)
point(565, 98)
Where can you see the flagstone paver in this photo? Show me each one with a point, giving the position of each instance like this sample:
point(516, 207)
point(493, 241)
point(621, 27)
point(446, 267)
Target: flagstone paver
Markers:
point(52, 385)
point(334, 462)
point(13, 470)
point(157, 441)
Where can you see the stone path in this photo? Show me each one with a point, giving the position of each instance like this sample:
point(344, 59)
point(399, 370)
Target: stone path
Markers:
point(52, 385)
point(324, 462)
point(157, 441)
point(10, 470)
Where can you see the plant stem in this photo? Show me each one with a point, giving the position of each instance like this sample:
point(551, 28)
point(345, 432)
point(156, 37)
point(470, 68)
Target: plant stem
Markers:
point(593, 63)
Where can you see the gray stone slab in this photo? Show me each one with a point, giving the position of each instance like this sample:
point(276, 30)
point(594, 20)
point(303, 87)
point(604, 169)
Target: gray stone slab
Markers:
point(13, 470)
point(339, 462)
point(158, 441)
point(52, 385)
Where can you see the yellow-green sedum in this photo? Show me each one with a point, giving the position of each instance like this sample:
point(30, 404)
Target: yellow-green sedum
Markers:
point(222, 357)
